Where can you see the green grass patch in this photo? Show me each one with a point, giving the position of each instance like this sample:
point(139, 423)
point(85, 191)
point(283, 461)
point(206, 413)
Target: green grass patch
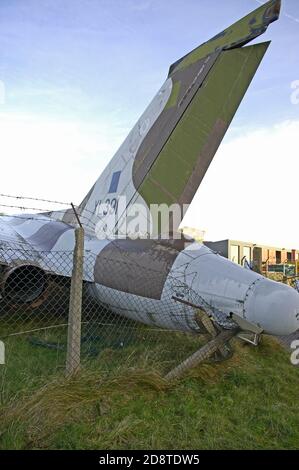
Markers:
point(120, 400)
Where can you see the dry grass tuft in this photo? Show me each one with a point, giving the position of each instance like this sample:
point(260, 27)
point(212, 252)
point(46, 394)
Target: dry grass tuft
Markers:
point(89, 393)
point(66, 400)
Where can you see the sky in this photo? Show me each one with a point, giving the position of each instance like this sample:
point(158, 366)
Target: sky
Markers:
point(75, 75)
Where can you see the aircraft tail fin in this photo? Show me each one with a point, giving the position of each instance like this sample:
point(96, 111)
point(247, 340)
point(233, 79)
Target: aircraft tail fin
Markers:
point(239, 34)
point(166, 155)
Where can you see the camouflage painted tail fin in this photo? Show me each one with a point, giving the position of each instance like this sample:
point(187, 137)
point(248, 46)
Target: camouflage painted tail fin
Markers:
point(166, 155)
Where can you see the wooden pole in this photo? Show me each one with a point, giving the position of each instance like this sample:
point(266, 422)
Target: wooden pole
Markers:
point(202, 354)
point(2, 353)
point(203, 320)
point(209, 326)
point(75, 307)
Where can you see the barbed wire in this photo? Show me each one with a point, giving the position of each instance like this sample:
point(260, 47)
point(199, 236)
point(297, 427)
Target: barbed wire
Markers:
point(28, 217)
point(87, 220)
point(30, 198)
point(24, 208)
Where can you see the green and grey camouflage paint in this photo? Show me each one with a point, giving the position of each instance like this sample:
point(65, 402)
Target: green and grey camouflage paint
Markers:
point(167, 154)
point(163, 161)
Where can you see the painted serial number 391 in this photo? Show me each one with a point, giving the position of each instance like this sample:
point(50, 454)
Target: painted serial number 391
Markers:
point(107, 206)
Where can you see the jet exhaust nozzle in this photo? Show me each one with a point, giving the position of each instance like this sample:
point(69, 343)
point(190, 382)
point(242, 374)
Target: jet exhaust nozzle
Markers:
point(23, 283)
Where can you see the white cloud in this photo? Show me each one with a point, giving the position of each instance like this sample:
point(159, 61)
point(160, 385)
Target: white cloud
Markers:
point(52, 159)
point(250, 191)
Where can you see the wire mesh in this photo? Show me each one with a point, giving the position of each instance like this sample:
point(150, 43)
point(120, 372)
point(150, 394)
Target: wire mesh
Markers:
point(115, 329)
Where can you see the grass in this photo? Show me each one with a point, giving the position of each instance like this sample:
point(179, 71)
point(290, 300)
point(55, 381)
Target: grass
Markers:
point(26, 365)
point(120, 401)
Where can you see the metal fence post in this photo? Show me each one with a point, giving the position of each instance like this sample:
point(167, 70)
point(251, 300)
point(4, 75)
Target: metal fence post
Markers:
point(75, 306)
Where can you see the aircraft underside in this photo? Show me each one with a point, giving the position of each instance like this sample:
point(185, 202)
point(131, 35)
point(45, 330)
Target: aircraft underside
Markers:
point(161, 280)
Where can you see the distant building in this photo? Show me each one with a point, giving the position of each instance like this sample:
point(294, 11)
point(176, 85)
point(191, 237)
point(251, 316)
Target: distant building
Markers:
point(194, 233)
point(261, 257)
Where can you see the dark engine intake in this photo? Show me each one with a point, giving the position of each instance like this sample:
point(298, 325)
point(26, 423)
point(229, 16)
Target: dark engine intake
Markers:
point(23, 284)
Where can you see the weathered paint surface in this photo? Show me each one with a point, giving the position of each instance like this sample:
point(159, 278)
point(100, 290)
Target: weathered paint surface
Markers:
point(189, 83)
point(139, 267)
point(163, 160)
point(194, 141)
point(237, 35)
point(166, 155)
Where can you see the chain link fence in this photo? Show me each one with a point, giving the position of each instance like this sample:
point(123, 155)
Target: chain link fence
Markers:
point(54, 319)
